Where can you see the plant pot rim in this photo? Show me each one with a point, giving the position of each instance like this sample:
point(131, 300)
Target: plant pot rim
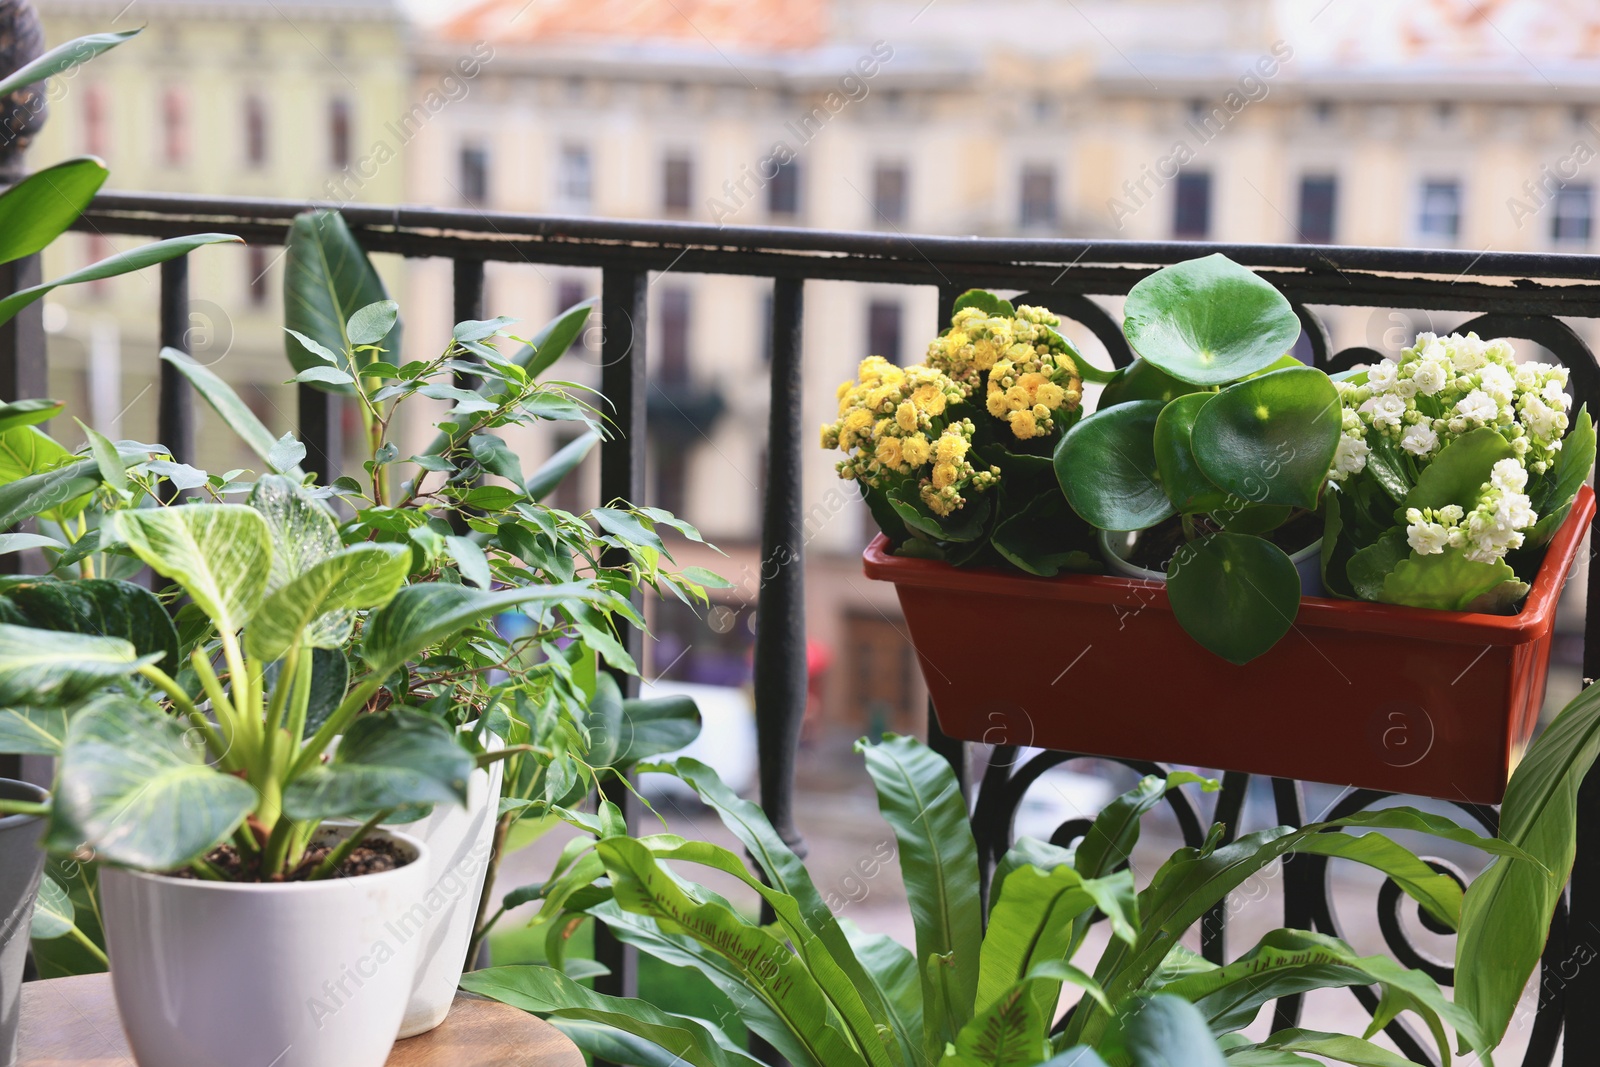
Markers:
point(1118, 562)
point(1455, 627)
point(12, 789)
point(327, 885)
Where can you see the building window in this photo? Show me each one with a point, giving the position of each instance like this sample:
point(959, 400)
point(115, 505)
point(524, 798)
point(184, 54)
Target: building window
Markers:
point(677, 174)
point(255, 131)
point(568, 494)
point(1440, 217)
point(674, 363)
point(1317, 197)
point(339, 133)
point(1573, 217)
point(783, 191)
point(474, 174)
point(1191, 211)
point(883, 329)
point(575, 178)
point(671, 489)
point(259, 267)
point(94, 121)
point(1038, 195)
point(890, 189)
point(174, 128)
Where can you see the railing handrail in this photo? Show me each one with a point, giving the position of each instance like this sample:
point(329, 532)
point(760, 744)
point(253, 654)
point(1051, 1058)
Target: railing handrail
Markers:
point(171, 214)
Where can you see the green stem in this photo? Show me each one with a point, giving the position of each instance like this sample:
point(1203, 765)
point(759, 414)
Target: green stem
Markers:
point(513, 750)
point(300, 702)
point(180, 700)
point(334, 860)
point(337, 723)
point(277, 850)
point(202, 867)
point(481, 925)
point(287, 677)
point(94, 950)
point(24, 807)
point(222, 707)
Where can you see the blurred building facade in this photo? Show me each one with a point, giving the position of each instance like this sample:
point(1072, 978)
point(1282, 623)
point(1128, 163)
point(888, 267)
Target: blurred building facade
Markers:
point(271, 98)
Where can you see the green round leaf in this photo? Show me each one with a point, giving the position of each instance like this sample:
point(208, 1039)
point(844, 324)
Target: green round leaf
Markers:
point(1141, 380)
point(1107, 468)
point(987, 302)
point(1270, 440)
point(1189, 490)
point(1208, 321)
point(1234, 594)
point(1457, 474)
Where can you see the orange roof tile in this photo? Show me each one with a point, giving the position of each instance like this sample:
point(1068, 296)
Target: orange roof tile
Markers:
point(755, 25)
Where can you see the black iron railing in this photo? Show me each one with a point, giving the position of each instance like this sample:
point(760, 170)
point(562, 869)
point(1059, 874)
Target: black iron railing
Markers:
point(1517, 295)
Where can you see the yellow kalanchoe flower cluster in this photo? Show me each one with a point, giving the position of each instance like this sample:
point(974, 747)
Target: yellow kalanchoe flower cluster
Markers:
point(1031, 371)
point(892, 429)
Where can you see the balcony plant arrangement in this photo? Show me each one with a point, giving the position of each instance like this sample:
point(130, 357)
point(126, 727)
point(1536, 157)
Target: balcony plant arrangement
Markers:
point(823, 993)
point(1221, 481)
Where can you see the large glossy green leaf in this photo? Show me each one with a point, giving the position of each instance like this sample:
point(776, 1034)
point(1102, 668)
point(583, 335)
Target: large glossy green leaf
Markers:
point(28, 412)
point(40, 207)
point(1190, 491)
point(1235, 594)
point(28, 452)
point(103, 607)
point(1046, 537)
point(551, 993)
point(235, 413)
point(63, 57)
point(793, 897)
point(219, 553)
point(1271, 439)
point(302, 530)
point(1106, 465)
point(1007, 1032)
point(1032, 922)
point(1168, 1031)
point(1445, 581)
point(894, 971)
point(984, 301)
point(422, 615)
point(1287, 1047)
point(121, 263)
point(55, 667)
point(135, 787)
point(1369, 567)
point(561, 463)
point(919, 797)
point(1459, 472)
point(387, 760)
point(1208, 321)
point(315, 608)
point(1111, 837)
point(655, 726)
point(57, 494)
point(327, 278)
point(34, 731)
point(555, 338)
point(770, 969)
point(1506, 915)
point(1289, 962)
point(1141, 380)
point(680, 950)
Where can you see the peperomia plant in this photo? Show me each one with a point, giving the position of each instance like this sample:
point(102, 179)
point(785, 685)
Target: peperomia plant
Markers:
point(1215, 444)
point(979, 993)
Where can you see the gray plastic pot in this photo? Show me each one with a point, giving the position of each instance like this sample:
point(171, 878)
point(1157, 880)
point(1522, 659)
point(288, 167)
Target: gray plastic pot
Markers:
point(21, 863)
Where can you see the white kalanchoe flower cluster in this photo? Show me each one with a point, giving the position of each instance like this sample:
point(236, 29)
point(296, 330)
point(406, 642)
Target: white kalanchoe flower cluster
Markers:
point(1443, 387)
point(1488, 531)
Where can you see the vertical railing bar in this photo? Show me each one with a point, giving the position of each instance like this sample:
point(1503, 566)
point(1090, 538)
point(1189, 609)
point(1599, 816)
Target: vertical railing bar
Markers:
point(23, 375)
point(467, 295)
point(175, 413)
point(1580, 1041)
point(622, 463)
point(780, 649)
point(957, 753)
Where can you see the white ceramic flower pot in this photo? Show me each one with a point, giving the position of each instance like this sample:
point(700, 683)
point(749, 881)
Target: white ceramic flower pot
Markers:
point(459, 841)
point(295, 974)
point(21, 862)
point(1115, 545)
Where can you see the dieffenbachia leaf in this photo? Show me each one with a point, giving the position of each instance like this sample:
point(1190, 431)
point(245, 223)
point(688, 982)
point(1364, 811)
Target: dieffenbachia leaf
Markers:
point(219, 553)
point(46, 667)
point(314, 608)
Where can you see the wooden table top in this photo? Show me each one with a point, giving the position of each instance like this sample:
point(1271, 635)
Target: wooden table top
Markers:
point(72, 1022)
